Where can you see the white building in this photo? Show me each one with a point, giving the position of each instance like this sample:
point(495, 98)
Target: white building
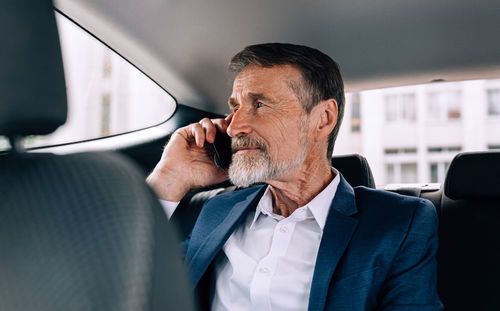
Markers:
point(410, 134)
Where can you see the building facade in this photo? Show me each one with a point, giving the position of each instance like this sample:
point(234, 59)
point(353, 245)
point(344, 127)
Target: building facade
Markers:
point(410, 134)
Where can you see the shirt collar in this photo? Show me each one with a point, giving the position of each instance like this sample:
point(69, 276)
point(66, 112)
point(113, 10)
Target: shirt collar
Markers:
point(319, 206)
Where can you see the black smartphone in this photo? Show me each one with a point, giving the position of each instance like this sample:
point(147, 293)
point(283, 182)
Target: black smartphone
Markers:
point(222, 150)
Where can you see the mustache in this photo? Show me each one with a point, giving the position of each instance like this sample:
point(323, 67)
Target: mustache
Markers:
point(248, 141)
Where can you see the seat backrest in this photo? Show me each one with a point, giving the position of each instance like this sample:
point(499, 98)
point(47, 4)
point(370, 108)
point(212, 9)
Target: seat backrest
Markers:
point(78, 231)
point(469, 233)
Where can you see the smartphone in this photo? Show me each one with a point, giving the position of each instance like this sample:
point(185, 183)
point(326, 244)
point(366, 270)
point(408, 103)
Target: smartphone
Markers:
point(222, 150)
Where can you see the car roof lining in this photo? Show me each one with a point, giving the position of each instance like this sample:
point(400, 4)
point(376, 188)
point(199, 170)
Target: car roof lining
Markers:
point(381, 43)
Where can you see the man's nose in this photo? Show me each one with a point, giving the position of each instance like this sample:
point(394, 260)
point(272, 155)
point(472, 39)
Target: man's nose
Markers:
point(240, 124)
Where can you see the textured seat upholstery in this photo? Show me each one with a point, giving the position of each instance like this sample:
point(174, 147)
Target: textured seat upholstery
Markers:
point(469, 233)
point(78, 231)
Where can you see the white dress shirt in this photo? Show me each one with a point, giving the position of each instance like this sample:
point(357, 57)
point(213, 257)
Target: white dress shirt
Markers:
point(268, 262)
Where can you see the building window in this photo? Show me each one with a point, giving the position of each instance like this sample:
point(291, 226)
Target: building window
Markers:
point(390, 175)
point(444, 106)
point(494, 102)
point(434, 172)
point(400, 150)
point(438, 171)
point(105, 114)
point(356, 113)
point(409, 172)
point(400, 107)
point(401, 173)
point(107, 65)
point(452, 149)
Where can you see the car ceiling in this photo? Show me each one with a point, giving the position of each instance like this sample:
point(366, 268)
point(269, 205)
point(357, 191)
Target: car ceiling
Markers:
point(378, 43)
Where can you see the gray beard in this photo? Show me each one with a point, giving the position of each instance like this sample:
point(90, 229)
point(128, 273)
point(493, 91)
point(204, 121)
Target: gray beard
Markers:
point(248, 169)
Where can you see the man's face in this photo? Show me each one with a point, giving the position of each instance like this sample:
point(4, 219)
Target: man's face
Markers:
point(269, 126)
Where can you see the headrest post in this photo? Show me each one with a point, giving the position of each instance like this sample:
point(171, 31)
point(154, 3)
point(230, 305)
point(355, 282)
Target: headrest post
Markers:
point(16, 143)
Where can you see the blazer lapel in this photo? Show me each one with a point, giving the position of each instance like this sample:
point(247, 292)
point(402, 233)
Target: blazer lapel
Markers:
point(199, 258)
point(337, 233)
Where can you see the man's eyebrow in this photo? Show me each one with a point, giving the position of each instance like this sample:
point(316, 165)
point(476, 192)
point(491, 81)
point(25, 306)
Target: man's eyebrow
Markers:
point(259, 96)
point(254, 96)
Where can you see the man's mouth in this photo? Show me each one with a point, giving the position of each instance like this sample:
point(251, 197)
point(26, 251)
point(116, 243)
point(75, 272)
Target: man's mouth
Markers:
point(246, 149)
point(246, 145)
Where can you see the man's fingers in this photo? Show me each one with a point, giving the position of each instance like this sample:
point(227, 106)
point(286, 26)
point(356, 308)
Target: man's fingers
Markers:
point(212, 126)
point(199, 134)
point(209, 128)
point(205, 130)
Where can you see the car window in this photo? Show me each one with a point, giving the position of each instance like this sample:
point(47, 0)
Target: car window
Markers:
point(106, 94)
point(410, 134)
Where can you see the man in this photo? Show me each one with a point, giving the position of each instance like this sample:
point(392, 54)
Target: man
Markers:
point(305, 239)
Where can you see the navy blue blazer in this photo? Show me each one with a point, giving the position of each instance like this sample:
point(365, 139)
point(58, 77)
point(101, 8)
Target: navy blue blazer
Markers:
point(377, 251)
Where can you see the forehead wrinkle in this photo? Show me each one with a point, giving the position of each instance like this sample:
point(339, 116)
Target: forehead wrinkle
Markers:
point(287, 83)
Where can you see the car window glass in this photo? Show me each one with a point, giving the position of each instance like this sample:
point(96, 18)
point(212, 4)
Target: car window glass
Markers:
point(410, 134)
point(106, 94)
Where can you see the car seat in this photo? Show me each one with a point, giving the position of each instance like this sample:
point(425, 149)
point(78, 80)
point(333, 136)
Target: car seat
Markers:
point(77, 231)
point(469, 233)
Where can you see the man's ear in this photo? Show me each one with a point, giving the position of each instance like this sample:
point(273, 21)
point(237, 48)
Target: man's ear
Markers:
point(326, 118)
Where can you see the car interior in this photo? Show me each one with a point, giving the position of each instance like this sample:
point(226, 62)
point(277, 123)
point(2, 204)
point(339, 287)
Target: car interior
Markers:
point(79, 227)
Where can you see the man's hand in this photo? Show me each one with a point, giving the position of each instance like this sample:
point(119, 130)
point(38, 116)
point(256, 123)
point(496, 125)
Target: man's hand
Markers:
point(186, 162)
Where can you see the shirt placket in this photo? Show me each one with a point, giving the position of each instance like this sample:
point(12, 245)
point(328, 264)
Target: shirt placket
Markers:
point(260, 287)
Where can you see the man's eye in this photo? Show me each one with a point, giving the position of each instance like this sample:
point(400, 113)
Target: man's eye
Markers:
point(260, 104)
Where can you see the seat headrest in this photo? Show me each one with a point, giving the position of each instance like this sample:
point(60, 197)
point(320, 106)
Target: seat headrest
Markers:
point(32, 86)
point(474, 176)
point(355, 169)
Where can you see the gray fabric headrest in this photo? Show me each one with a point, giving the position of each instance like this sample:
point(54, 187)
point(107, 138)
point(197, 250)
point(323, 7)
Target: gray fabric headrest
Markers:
point(32, 86)
point(474, 176)
point(355, 169)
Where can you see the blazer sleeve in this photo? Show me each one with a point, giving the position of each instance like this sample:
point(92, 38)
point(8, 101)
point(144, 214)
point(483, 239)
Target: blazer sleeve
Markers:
point(411, 283)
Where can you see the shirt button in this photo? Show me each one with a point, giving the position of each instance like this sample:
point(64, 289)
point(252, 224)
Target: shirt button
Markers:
point(264, 270)
point(284, 229)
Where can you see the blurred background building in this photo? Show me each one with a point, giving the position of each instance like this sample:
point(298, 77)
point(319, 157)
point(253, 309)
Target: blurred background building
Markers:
point(410, 134)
